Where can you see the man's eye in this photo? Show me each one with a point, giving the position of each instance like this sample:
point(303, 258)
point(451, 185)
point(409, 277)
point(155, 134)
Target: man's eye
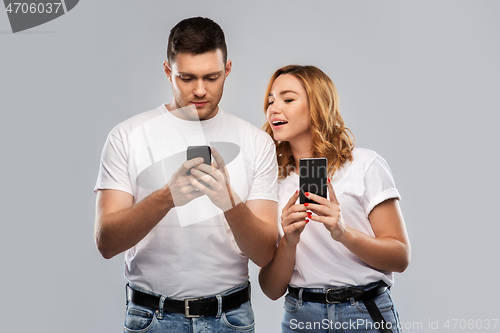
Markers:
point(186, 79)
point(212, 78)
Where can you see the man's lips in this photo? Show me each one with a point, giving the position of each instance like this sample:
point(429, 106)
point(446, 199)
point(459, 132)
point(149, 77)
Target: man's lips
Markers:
point(199, 104)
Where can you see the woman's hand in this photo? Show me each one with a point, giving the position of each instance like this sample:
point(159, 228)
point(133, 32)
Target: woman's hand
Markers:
point(328, 213)
point(293, 220)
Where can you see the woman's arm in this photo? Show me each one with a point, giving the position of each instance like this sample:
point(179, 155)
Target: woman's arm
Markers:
point(275, 276)
point(389, 250)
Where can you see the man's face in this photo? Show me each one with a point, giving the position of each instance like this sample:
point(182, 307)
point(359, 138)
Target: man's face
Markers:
point(197, 82)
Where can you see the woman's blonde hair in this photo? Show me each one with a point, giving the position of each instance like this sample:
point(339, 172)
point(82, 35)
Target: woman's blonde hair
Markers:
point(330, 137)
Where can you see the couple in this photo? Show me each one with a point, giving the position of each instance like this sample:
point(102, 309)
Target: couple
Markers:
point(188, 228)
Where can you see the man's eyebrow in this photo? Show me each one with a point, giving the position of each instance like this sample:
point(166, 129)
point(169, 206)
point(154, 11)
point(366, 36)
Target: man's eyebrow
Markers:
point(189, 74)
point(284, 92)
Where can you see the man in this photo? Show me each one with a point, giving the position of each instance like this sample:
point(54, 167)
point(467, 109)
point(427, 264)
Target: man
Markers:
point(188, 228)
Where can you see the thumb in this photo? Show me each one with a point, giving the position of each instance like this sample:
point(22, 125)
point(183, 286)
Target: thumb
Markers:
point(333, 197)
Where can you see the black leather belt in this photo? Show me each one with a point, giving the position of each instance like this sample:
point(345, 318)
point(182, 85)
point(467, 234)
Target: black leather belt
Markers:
point(192, 307)
point(339, 295)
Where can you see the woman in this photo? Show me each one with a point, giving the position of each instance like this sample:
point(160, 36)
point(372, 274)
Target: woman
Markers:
point(336, 256)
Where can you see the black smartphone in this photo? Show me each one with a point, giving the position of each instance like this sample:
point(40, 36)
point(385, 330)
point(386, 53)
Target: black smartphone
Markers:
point(199, 151)
point(313, 177)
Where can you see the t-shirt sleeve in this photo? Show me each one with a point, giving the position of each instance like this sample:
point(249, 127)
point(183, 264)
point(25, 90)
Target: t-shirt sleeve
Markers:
point(379, 185)
point(265, 180)
point(113, 171)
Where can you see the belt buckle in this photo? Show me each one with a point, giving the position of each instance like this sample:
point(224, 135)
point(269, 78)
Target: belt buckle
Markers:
point(326, 296)
point(186, 307)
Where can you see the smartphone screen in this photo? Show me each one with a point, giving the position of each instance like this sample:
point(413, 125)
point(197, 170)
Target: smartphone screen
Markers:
point(313, 177)
point(199, 151)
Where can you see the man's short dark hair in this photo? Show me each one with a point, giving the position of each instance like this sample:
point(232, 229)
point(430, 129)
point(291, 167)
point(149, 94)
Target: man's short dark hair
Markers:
point(196, 35)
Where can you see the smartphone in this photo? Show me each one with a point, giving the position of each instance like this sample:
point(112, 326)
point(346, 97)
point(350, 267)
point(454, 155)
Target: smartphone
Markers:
point(313, 177)
point(199, 151)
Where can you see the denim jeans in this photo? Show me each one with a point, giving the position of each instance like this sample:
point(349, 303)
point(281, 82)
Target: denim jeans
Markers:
point(347, 317)
point(143, 319)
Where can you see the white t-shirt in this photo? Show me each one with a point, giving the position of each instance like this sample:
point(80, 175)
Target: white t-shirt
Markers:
point(191, 252)
point(359, 186)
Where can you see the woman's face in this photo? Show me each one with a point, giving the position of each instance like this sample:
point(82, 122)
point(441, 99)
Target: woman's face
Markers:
point(288, 109)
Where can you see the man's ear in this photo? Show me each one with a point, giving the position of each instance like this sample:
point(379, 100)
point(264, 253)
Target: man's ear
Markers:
point(168, 70)
point(229, 65)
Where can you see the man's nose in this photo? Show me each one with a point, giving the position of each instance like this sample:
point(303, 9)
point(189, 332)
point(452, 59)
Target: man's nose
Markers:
point(200, 90)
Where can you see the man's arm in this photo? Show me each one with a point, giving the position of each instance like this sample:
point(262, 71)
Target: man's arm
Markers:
point(255, 229)
point(120, 224)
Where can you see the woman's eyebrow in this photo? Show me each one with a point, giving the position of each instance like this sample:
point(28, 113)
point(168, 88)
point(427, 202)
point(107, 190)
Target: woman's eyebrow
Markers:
point(284, 92)
point(287, 91)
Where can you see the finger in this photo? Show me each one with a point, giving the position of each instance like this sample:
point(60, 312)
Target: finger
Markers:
point(333, 197)
point(218, 159)
point(291, 201)
point(201, 187)
point(317, 198)
point(186, 166)
point(205, 168)
point(322, 219)
point(208, 178)
point(321, 210)
point(295, 217)
point(296, 226)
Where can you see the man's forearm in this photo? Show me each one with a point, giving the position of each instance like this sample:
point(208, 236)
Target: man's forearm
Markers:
point(256, 238)
point(118, 231)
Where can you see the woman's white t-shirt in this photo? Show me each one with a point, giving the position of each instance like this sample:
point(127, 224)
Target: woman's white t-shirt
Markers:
point(359, 186)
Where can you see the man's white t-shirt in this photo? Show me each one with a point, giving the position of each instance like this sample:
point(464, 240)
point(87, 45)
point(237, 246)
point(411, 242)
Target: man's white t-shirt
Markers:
point(321, 261)
point(191, 252)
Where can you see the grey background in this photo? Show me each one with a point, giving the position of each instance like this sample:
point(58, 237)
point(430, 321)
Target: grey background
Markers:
point(417, 81)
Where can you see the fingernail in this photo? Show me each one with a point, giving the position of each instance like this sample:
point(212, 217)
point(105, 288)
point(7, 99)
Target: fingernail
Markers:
point(307, 220)
point(306, 204)
point(329, 180)
point(296, 191)
point(309, 213)
point(307, 194)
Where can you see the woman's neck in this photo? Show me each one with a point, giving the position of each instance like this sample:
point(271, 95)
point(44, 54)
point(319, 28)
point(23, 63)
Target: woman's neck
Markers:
point(301, 148)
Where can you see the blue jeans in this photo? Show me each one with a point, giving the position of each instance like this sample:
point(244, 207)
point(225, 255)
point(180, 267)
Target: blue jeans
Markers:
point(143, 319)
point(347, 317)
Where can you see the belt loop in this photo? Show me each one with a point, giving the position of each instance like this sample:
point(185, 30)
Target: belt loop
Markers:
point(126, 293)
point(301, 290)
point(219, 306)
point(160, 307)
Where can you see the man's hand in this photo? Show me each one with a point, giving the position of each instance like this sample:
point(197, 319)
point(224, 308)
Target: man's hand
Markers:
point(181, 189)
point(214, 182)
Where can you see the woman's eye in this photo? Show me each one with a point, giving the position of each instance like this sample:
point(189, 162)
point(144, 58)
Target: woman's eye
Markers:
point(288, 100)
point(270, 103)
